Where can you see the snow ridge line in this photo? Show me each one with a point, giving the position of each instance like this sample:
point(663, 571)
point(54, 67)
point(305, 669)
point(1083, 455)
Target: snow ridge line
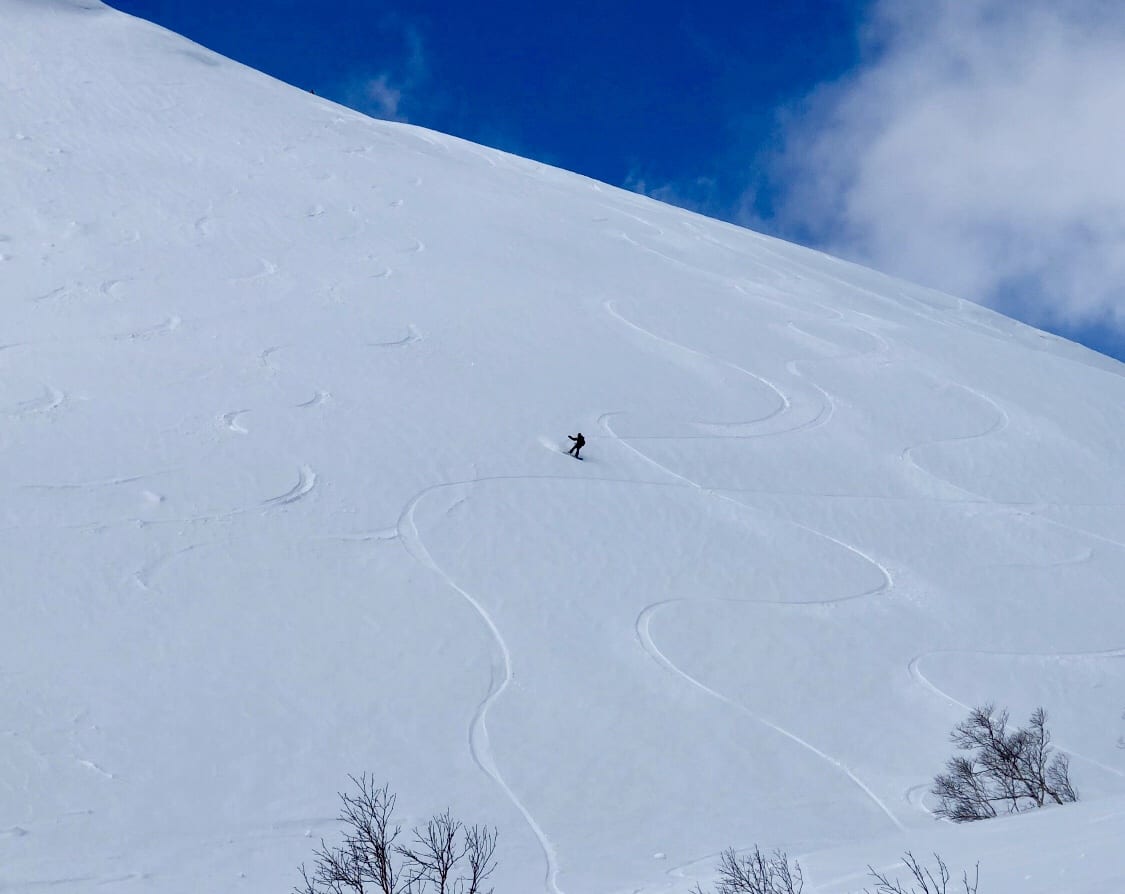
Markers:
point(644, 635)
point(479, 745)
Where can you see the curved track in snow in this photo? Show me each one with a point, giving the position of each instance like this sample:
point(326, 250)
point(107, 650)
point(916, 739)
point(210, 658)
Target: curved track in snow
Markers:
point(806, 420)
point(916, 673)
point(643, 622)
point(783, 403)
point(644, 636)
point(480, 745)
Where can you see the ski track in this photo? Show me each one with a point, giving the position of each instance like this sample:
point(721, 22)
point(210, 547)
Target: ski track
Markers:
point(105, 482)
point(266, 358)
point(169, 325)
point(382, 534)
point(51, 399)
point(783, 400)
point(915, 797)
point(1002, 421)
point(47, 296)
point(1081, 558)
point(825, 314)
point(92, 766)
point(787, 269)
point(882, 354)
point(617, 210)
point(406, 531)
point(230, 420)
point(412, 337)
point(306, 481)
point(644, 618)
point(821, 275)
point(825, 404)
point(316, 400)
point(479, 745)
point(110, 286)
point(143, 576)
point(644, 636)
point(922, 680)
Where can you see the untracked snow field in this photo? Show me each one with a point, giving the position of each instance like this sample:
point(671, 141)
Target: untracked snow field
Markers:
point(284, 397)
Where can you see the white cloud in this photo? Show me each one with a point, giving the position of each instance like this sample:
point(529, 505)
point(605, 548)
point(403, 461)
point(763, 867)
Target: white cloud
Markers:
point(980, 149)
point(385, 94)
point(383, 98)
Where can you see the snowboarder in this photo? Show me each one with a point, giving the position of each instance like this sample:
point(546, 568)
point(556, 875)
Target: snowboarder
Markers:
point(579, 443)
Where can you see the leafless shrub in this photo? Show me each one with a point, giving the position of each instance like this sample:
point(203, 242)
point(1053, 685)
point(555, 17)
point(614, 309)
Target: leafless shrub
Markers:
point(444, 857)
point(1008, 770)
point(925, 882)
point(757, 873)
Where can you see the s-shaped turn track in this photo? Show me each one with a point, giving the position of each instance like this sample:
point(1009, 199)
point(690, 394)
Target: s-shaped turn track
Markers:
point(479, 745)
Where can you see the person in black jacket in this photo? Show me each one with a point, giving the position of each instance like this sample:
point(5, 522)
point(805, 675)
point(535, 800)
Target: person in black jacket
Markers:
point(579, 443)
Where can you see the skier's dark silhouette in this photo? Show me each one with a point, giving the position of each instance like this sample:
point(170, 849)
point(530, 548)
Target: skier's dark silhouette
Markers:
point(579, 443)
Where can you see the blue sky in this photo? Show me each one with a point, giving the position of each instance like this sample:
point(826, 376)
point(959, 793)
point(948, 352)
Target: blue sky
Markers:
point(921, 137)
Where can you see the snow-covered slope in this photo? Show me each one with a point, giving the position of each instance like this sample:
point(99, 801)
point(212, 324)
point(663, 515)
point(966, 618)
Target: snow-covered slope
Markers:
point(282, 394)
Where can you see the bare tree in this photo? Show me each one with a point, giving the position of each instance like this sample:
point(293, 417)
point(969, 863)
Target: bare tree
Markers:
point(925, 882)
point(447, 857)
point(443, 846)
point(1008, 770)
point(757, 873)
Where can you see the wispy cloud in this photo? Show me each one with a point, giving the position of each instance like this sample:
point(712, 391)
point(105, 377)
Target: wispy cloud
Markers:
point(391, 92)
point(979, 149)
point(695, 194)
point(382, 98)
point(729, 190)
